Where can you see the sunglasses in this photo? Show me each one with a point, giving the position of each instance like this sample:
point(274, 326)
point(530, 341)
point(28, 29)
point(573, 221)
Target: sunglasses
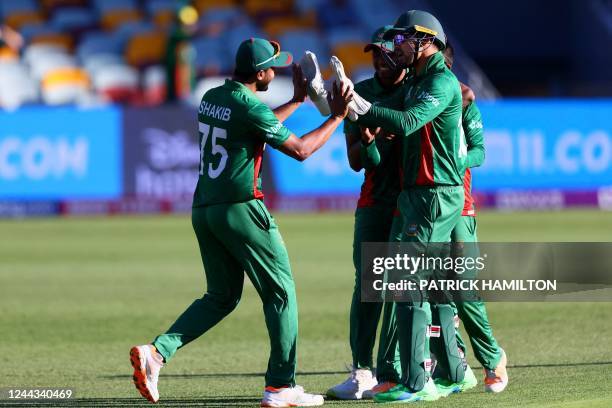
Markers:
point(398, 39)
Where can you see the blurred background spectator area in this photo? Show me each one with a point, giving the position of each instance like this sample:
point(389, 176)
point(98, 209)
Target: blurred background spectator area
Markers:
point(147, 52)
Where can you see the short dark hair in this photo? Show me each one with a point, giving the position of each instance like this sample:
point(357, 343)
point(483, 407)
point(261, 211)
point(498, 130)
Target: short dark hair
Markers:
point(449, 54)
point(244, 77)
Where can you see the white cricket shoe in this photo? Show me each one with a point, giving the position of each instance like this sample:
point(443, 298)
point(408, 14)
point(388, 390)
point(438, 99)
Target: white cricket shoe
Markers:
point(380, 387)
point(146, 362)
point(497, 380)
point(290, 397)
point(353, 388)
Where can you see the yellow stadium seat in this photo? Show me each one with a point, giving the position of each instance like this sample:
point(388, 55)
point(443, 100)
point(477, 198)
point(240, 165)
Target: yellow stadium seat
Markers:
point(352, 56)
point(61, 40)
point(256, 7)
point(64, 85)
point(18, 19)
point(8, 54)
point(50, 5)
point(114, 18)
point(66, 76)
point(146, 49)
point(164, 18)
point(275, 26)
point(203, 5)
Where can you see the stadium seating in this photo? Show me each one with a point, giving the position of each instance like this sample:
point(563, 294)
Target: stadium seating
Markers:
point(161, 12)
point(299, 41)
point(113, 18)
point(62, 40)
point(18, 19)
point(117, 83)
point(98, 42)
point(146, 48)
point(204, 5)
point(64, 86)
point(50, 5)
point(95, 63)
point(117, 48)
point(46, 63)
point(73, 19)
point(16, 86)
point(211, 56)
point(274, 27)
point(154, 85)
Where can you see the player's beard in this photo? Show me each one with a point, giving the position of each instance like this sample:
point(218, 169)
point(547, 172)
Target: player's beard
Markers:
point(406, 56)
point(262, 86)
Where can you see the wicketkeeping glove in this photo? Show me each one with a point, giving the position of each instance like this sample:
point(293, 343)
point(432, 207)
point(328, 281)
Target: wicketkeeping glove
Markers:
point(358, 106)
point(316, 89)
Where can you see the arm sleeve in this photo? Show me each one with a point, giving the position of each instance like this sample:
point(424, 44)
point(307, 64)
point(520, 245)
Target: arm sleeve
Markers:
point(369, 155)
point(434, 96)
point(266, 126)
point(472, 127)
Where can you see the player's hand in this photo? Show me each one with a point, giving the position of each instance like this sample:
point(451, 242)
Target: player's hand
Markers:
point(300, 84)
point(339, 99)
point(368, 135)
point(467, 95)
point(386, 135)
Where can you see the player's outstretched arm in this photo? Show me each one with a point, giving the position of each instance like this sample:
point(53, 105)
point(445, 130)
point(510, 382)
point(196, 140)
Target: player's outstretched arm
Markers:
point(431, 101)
point(300, 91)
point(300, 148)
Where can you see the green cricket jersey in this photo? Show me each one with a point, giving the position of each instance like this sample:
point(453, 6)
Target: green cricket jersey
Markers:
point(234, 126)
point(381, 185)
point(472, 128)
point(434, 149)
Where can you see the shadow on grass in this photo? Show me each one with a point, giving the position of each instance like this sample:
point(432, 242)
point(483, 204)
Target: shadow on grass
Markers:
point(221, 375)
point(307, 373)
point(595, 363)
point(227, 401)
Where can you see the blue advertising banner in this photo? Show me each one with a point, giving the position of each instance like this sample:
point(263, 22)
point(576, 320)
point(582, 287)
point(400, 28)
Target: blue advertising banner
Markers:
point(325, 172)
point(66, 153)
point(547, 144)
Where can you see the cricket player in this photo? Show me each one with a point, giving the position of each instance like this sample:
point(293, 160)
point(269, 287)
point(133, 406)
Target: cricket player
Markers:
point(235, 231)
point(473, 314)
point(376, 220)
point(434, 154)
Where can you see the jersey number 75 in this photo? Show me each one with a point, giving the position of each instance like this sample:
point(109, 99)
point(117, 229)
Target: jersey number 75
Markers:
point(216, 149)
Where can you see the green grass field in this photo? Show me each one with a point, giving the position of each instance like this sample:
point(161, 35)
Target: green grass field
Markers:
point(75, 294)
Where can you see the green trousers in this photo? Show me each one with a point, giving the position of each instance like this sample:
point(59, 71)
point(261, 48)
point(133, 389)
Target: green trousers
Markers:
point(374, 224)
point(474, 314)
point(237, 238)
point(429, 216)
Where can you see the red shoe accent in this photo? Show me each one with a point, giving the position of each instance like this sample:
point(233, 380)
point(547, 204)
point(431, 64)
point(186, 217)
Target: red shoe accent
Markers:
point(140, 375)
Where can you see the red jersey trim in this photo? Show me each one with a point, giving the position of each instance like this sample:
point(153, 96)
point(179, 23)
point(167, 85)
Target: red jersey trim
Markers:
point(257, 168)
point(468, 203)
point(425, 176)
point(366, 198)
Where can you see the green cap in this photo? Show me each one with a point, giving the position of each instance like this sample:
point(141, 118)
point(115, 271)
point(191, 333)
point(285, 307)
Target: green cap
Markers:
point(420, 22)
point(378, 40)
point(256, 54)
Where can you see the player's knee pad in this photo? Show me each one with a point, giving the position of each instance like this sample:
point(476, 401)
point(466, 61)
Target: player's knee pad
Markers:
point(413, 322)
point(444, 342)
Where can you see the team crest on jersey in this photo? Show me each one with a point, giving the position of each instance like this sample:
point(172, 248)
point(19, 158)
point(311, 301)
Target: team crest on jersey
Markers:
point(411, 231)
